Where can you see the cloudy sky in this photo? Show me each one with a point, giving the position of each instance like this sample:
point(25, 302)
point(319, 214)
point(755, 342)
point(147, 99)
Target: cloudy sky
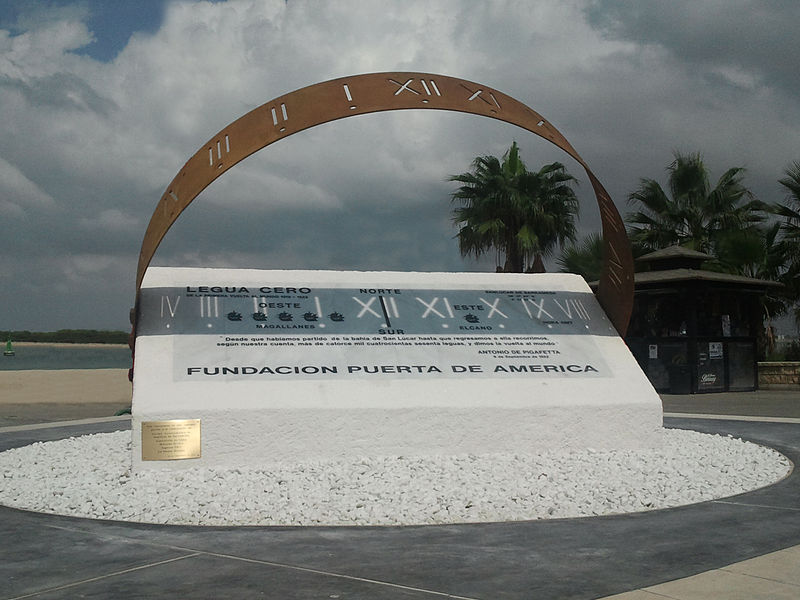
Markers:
point(102, 102)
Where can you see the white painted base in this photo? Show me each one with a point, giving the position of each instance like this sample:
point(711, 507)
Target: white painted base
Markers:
point(249, 423)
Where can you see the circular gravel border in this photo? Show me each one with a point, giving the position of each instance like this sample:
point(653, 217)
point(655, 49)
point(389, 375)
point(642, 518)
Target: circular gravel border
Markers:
point(90, 477)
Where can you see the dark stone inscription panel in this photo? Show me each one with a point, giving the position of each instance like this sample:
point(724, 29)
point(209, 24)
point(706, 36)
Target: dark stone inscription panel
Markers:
point(235, 332)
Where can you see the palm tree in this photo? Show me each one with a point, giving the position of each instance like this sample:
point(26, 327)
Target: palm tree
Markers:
point(752, 252)
point(584, 258)
point(755, 252)
point(693, 215)
point(789, 244)
point(519, 213)
point(791, 211)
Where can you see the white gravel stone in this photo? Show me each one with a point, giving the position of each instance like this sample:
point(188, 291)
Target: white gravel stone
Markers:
point(91, 476)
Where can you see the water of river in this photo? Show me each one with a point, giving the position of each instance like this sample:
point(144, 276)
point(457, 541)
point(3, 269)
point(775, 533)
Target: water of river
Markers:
point(73, 356)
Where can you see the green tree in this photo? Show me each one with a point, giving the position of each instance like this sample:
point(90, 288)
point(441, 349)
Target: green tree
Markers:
point(789, 244)
point(584, 258)
point(752, 252)
point(519, 213)
point(791, 212)
point(692, 214)
point(756, 252)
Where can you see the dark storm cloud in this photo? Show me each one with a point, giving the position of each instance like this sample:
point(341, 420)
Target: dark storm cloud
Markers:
point(746, 42)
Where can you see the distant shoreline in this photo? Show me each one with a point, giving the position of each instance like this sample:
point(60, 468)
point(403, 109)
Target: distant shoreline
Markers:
point(66, 336)
point(68, 344)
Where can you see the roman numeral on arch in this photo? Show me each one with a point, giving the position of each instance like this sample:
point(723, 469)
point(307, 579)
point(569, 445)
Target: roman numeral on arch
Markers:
point(429, 88)
point(615, 269)
point(485, 96)
point(279, 115)
point(609, 214)
point(217, 150)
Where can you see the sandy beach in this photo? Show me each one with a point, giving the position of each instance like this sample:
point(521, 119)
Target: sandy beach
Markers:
point(44, 396)
point(69, 345)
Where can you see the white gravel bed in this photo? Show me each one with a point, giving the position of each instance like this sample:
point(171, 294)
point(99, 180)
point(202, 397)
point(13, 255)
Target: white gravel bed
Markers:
point(90, 476)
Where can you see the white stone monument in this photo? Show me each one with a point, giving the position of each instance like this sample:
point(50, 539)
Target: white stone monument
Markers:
point(243, 368)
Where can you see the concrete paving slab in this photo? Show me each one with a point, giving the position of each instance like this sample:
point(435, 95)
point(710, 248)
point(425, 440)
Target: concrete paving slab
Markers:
point(203, 576)
point(636, 595)
point(725, 584)
point(773, 575)
point(782, 566)
point(36, 558)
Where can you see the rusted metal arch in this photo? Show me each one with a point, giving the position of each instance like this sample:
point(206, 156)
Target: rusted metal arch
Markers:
point(376, 92)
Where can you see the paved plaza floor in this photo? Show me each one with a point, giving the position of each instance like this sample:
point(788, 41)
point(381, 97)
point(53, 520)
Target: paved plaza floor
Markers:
point(745, 546)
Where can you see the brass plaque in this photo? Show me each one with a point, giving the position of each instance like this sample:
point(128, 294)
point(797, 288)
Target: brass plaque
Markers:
point(171, 440)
